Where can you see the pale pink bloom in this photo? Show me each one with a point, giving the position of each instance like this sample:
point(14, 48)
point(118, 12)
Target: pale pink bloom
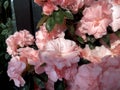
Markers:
point(48, 8)
point(75, 6)
point(11, 45)
point(60, 52)
point(43, 36)
point(102, 76)
point(115, 16)
point(30, 54)
point(95, 24)
point(60, 55)
point(88, 2)
point(96, 54)
point(116, 1)
point(18, 39)
point(15, 70)
point(67, 73)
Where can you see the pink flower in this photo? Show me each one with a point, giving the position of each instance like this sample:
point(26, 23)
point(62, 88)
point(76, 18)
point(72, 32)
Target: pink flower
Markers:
point(88, 2)
point(95, 24)
point(43, 36)
point(102, 76)
point(60, 55)
point(60, 52)
point(73, 5)
point(18, 39)
point(96, 54)
point(67, 73)
point(115, 15)
point(30, 54)
point(15, 70)
point(48, 8)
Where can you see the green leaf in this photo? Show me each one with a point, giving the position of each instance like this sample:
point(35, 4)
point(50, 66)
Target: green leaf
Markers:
point(80, 40)
point(68, 15)
point(4, 32)
point(7, 56)
point(106, 39)
point(59, 85)
point(3, 26)
point(9, 23)
point(91, 39)
point(39, 82)
point(42, 20)
point(72, 30)
point(50, 24)
point(26, 87)
point(91, 45)
point(6, 4)
point(58, 16)
point(118, 33)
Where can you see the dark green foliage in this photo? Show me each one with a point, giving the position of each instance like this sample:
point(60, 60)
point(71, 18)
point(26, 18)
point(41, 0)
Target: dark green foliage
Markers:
point(59, 85)
point(6, 29)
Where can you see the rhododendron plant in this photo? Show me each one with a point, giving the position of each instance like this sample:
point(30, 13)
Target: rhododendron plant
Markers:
point(76, 47)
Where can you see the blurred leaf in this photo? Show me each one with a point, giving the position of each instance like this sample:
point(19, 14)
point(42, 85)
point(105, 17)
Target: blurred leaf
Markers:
point(39, 82)
point(68, 15)
point(59, 85)
point(6, 4)
point(3, 26)
point(80, 40)
point(42, 20)
point(58, 16)
point(118, 33)
point(7, 56)
point(106, 39)
point(50, 24)
point(4, 32)
point(9, 23)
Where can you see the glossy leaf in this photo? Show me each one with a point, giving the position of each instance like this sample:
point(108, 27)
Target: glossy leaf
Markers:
point(39, 82)
point(80, 40)
point(50, 24)
point(58, 16)
point(68, 15)
point(106, 39)
point(42, 20)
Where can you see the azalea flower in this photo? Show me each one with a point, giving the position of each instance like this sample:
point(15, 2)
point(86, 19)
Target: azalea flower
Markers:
point(15, 70)
point(95, 24)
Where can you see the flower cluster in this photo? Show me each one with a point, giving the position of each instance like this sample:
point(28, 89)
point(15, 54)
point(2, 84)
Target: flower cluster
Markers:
point(77, 43)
